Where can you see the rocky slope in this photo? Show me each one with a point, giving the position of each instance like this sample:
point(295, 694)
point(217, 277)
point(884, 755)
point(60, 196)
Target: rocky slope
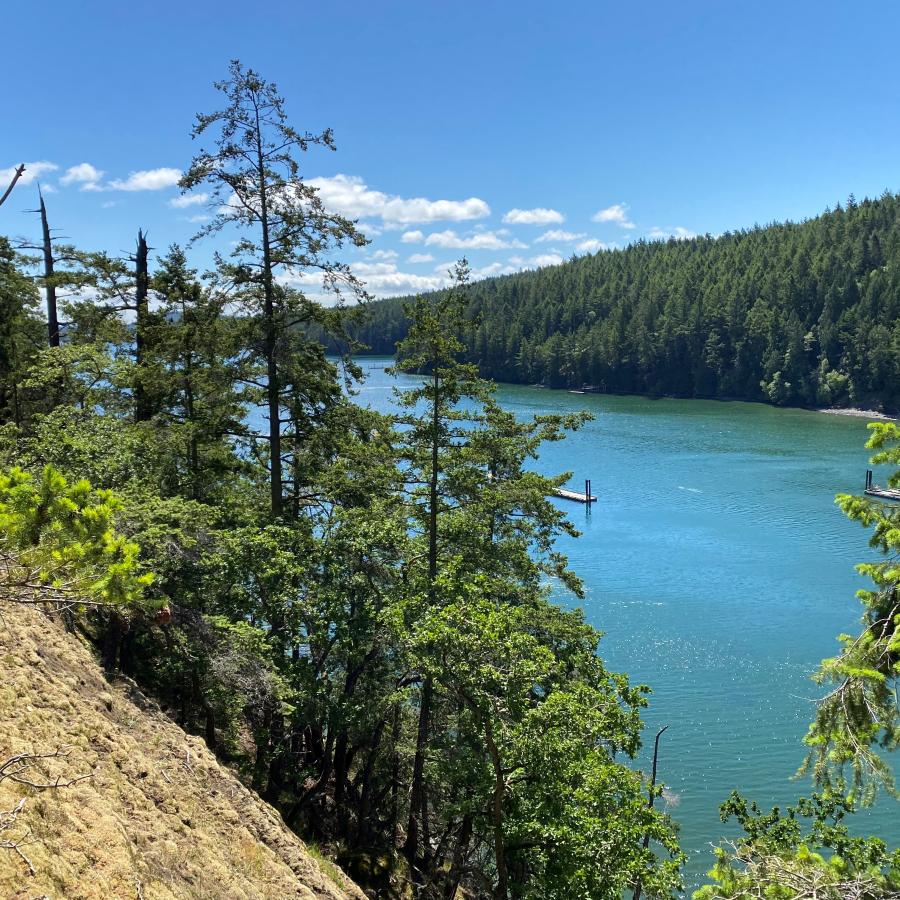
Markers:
point(157, 818)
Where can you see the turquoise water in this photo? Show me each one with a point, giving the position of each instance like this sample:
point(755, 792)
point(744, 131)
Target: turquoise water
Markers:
point(721, 572)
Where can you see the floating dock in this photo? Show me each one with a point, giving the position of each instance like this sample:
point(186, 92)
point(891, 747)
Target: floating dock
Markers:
point(577, 496)
point(873, 490)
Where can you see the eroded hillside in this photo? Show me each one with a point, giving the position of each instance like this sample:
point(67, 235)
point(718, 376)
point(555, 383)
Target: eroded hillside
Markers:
point(158, 817)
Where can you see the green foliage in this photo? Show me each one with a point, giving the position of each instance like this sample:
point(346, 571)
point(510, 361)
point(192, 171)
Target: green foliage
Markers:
point(58, 544)
point(858, 719)
point(798, 313)
point(781, 858)
point(353, 609)
point(19, 330)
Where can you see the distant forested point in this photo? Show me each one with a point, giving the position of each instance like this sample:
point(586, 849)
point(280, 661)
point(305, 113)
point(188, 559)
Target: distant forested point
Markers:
point(796, 314)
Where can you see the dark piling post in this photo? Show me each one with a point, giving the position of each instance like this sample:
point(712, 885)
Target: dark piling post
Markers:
point(868, 479)
point(587, 491)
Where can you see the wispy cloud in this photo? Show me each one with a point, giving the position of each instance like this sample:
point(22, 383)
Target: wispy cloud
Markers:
point(350, 196)
point(147, 180)
point(85, 175)
point(617, 214)
point(559, 236)
point(186, 200)
point(33, 171)
point(420, 258)
point(477, 240)
point(537, 216)
point(592, 245)
point(546, 259)
point(663, 234)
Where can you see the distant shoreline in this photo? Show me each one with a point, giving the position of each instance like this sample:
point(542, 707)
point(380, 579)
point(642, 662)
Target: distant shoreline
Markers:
point(858, 413)
point(853, 411)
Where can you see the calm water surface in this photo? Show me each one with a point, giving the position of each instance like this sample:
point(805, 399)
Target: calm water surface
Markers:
point(720, 571)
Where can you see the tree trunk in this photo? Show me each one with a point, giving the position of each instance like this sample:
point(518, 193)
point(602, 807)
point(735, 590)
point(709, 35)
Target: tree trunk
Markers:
point(142, 411)
point(501, 891)
point(112, 640)
point(646, 844)
point(49, 286)
point(417, 788)
point(459, 857)
point(410, 847)
point(363, 824)
point(189, 414)
point(270, 338)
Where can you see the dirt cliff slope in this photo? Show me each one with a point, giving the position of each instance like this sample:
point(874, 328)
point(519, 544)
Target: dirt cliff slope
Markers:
point(158, 818)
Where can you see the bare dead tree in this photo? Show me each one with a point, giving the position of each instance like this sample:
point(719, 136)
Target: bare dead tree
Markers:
point(652, 797)
point(49, 284)
point(142, 411)
point(20, 171)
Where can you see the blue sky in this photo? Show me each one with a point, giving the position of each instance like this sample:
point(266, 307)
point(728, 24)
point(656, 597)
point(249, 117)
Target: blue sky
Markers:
point(598, 122)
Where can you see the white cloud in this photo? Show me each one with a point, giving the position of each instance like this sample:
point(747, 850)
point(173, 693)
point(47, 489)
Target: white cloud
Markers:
point(385, 254)
point(617, 213)
point(109, 204)
point(199, 218)
point(479, 240)
point(186, 200)
point(557, 234)
point(546, 259)
point(420, 258)
point(350, 196)
point(412, 237)
point(148, 180)
point(33, 171)
point(592, 245)
point(492, 270)
point(382, 279)
point(537, 216)
point(663, 234)
point(85, 174)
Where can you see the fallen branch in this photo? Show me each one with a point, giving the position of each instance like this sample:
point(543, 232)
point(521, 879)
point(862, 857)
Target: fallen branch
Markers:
point(14, 769)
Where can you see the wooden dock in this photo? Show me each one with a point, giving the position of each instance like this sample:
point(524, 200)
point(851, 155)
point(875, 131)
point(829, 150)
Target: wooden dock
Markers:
point(873, 490)
point(577, 496)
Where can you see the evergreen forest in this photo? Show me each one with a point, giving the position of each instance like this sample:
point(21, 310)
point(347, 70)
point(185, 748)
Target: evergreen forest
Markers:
point(353, 609)
point(797, 314)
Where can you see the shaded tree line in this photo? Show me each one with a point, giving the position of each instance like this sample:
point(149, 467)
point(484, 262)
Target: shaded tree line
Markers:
point(796, 314)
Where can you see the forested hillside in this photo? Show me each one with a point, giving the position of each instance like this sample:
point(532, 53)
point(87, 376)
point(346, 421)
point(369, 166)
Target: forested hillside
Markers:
point(794, 314)
point(351, 609)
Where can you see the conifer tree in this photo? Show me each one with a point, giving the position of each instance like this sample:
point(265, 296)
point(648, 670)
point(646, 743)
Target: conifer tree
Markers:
point(253, 171)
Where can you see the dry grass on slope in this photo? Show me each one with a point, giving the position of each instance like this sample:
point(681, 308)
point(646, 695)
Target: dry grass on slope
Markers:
point(158, 818)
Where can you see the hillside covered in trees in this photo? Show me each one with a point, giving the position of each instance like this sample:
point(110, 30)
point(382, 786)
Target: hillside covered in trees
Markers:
point(353, 610)
point(794, 314)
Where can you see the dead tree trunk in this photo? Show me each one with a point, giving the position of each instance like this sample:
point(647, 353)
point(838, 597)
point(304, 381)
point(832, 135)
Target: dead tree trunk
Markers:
point(49, 284)
point(142, 411)
point(646, 844)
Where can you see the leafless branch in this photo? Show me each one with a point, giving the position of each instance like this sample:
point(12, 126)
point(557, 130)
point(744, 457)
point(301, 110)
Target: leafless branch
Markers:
point(18, 174)
point(17, 769)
